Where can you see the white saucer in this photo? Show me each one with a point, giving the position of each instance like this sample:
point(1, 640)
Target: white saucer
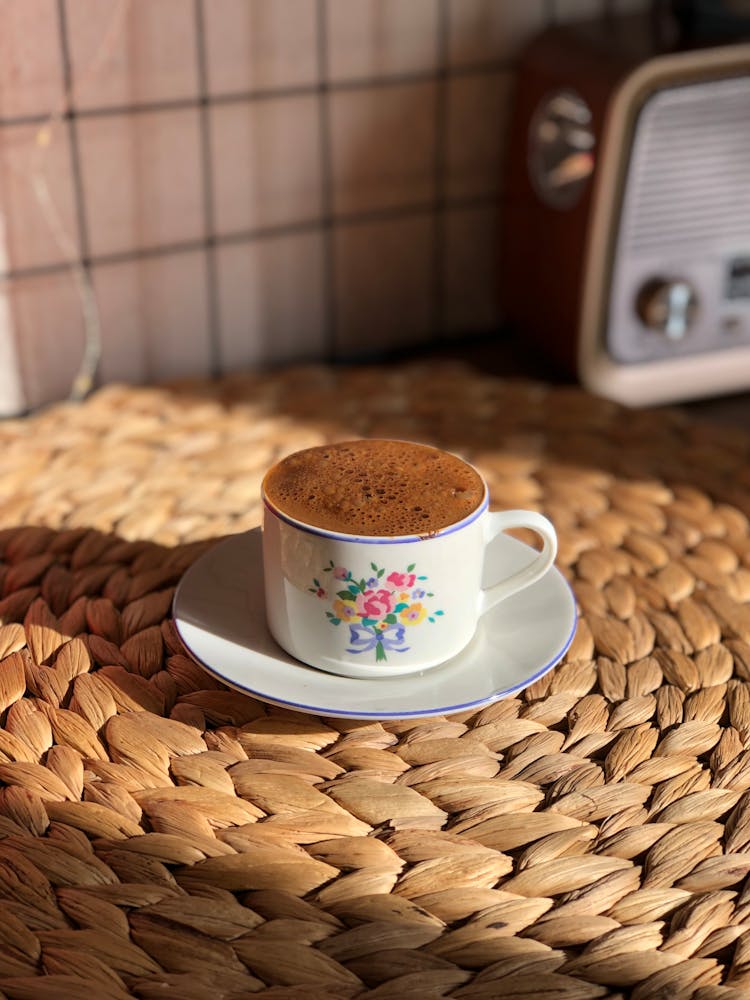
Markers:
point(219, 612)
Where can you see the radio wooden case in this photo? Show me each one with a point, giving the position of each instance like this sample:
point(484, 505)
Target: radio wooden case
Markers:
point(626, 228)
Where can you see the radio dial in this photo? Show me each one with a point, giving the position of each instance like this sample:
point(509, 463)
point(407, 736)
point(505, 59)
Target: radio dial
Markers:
point(668, 306)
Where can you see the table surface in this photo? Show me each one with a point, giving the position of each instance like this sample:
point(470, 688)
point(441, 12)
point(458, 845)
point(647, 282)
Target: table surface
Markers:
point(504, 354)
point(163, 836)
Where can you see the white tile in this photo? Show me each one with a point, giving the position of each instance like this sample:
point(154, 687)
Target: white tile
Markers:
point(471, 270)
point(478, 116)
point(375, 38)
point(577, 10)
point(260, 44)
point(491, 30)
point(384, 285)
point(31, 74)
point(141, 176)
point(271, 301)
point(154, 318)
point(135, 53)
point(266, 163)
point(47, 322)
point(36, 192)
point(383, 147)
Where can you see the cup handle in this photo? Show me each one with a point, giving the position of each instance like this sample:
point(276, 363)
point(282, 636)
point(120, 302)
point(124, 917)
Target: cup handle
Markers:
point(501, 521)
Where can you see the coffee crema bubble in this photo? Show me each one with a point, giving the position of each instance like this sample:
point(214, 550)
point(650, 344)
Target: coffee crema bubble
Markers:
point(375, 487)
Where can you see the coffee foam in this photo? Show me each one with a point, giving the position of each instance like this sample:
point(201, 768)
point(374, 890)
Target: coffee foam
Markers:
point(374, 487)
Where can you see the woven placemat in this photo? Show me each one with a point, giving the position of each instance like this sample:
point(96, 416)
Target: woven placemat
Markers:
point(162, 836)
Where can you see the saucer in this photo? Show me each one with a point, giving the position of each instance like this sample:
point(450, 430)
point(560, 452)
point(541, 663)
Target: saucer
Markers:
point(219, 613)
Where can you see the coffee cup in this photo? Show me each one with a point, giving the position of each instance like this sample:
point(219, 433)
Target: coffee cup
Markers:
point(374, 552)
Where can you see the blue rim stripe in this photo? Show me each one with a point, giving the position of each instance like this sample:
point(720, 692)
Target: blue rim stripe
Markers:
point(340, 536)
point(446, 709)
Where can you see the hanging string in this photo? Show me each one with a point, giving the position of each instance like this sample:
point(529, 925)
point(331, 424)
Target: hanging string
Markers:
point(83, 381)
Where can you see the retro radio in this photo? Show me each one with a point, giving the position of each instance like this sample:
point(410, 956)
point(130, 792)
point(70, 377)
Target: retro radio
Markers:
point(626, 249)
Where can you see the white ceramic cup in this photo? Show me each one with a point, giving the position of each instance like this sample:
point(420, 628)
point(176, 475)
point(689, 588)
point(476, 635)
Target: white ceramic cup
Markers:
point(371, 606)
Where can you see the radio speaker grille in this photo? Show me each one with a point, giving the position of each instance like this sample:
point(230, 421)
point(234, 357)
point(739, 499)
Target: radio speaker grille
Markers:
point(689, 174)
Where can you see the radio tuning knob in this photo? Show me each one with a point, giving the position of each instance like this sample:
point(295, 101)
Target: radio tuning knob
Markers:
point(667, 305)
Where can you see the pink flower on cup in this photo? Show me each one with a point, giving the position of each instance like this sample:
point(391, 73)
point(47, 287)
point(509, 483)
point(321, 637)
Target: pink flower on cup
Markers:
point(402, 580)
point(375, 603)
point(340, 573)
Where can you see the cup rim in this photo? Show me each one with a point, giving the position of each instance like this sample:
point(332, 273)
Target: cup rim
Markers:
point(342, 536)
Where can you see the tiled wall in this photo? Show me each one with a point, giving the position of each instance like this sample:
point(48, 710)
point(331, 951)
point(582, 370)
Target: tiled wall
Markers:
point(204, 185)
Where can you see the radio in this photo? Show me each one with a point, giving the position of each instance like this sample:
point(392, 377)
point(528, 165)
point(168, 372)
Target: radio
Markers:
point(626, 231)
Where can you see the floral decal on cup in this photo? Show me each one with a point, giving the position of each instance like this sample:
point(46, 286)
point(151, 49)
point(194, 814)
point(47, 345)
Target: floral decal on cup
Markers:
point(378, 609)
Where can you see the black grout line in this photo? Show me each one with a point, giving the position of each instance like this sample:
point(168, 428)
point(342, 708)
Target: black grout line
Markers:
point(301, 228)
point(420, 76)
point(326, 184)
point(34, 271)
point(437, 323)
point(145, 108)
point(258, 235)
point(149, 253)
point(16, 120)
point(212, 280)
point(276, 93)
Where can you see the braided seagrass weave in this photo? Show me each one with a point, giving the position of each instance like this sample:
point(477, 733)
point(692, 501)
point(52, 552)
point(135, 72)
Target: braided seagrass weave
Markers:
point(162, 836)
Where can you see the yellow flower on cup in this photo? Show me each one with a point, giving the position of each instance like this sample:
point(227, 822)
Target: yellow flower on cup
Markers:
point(413, 614)
point(346, 611)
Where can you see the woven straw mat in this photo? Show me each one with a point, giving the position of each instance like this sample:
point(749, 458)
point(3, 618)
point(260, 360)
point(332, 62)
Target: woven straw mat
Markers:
point(163, 836)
